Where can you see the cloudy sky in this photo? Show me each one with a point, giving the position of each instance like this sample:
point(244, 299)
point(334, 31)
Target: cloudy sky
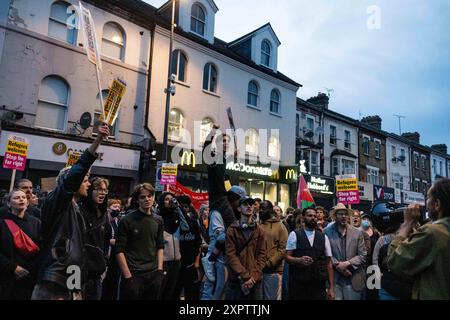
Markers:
point(402, 67)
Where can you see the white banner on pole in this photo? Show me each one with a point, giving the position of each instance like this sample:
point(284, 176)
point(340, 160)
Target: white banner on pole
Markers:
point(90, 39)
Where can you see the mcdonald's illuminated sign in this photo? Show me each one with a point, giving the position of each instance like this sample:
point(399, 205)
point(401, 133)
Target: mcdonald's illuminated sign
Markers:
point(290, 174)
point(188, 158)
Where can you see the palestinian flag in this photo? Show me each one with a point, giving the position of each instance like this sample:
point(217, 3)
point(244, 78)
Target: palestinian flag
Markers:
point(304, 197)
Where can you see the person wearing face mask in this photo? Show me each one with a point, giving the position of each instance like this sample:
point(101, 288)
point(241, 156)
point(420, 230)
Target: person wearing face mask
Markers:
point(276, 237)
point(245, 248)
point(93, 208)
point(308, 253)
point(111, 282)
point(18, 258)
point(175, 224)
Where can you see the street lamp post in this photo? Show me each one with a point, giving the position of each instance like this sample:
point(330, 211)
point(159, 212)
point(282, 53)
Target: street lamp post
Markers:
point(169, 89)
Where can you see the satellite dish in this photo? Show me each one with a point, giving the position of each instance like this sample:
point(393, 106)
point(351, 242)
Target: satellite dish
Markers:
point(85, 120)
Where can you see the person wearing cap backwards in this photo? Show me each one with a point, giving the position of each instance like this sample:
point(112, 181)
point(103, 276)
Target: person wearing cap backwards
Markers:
point(245, 247)
point(349, 255)
point(214, 263)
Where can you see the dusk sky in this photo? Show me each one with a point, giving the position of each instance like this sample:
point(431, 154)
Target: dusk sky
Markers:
point(402, 68)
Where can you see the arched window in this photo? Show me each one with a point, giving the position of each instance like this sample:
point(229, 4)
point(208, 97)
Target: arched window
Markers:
point(251, 141)
point(253, 93)
point(205, 129)
point(198, 19)
point(275, 101)
point(266, 52)
point(58, 26)
point(52, 104)
point(176, 124)
point(179, 65)
point(112, 130)
point(113, 41)
point(210, 77)
point(274, 147)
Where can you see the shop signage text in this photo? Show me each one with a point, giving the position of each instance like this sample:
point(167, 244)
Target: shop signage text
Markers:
point(242, 167)
point(320, 184)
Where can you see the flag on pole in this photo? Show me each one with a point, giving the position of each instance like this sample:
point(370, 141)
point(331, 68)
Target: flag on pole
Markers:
point(304, 197)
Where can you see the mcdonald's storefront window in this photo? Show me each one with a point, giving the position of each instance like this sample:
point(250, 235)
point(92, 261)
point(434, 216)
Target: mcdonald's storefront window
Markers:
point(277, 193)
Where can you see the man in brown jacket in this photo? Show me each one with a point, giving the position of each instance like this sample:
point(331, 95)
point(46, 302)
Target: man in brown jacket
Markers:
point(246, 252)
point(276, 237)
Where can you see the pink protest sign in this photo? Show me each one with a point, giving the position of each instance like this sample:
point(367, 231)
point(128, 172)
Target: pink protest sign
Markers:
point(14, 161)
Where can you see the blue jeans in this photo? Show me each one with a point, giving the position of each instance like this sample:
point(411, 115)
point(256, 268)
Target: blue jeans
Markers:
point(270, 287)
point(216, 290)
point(384, 295)
point(347, 293)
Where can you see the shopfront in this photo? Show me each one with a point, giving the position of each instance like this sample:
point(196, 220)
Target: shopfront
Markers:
point(277, 185)
point(47, 155)
point(322, 189)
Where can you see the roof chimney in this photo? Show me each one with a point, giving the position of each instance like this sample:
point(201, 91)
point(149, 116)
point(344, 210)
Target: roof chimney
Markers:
point(373, 121)
point(412, 136)
point(442, 148)
point(321, 100)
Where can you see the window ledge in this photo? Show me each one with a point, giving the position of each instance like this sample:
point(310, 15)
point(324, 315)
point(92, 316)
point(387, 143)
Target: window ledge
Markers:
point(276, 114)
point(181, 83)
point(211, 93)
point(253, 107)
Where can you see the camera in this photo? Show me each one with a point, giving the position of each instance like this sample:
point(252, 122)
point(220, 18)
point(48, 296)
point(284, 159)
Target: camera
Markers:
point(387, 216)
point(174, 202)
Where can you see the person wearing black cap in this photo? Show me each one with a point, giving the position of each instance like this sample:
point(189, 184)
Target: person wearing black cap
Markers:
point(245, 247)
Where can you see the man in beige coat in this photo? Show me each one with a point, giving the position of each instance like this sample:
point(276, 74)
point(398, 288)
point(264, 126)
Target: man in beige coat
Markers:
point(276, 237)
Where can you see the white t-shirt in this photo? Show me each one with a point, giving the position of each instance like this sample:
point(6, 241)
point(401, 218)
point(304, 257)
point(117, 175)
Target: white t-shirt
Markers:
point(292, 242)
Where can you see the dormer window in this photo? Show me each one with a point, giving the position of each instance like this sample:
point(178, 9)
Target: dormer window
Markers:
point(266, 51)
point(198, 19)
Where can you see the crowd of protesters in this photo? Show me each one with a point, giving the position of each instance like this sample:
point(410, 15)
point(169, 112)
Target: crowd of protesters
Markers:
point(78, 243)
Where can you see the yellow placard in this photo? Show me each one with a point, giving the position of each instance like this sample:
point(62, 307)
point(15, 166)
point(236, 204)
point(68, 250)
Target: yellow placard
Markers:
point(73, 158)
point(169, 170)
point(347, 185)
point(112, 103)
point(17, 147)
point(227, 185)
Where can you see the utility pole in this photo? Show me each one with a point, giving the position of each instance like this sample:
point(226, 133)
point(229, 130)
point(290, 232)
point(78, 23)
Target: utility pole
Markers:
point(400, 117)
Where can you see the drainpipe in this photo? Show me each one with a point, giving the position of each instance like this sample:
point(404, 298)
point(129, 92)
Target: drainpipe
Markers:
point(149, 77)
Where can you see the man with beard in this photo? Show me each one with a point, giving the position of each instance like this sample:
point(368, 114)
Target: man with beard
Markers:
point(349, 255)
point(93, 208)
point(139, 248)
point(63, 228)
point(276, 236)
point(309, 254)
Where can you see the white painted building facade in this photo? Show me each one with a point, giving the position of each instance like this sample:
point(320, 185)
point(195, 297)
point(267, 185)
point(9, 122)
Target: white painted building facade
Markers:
point(398, 164)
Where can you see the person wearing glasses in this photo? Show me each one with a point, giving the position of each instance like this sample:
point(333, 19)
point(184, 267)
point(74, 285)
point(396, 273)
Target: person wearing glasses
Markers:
point(93, 209)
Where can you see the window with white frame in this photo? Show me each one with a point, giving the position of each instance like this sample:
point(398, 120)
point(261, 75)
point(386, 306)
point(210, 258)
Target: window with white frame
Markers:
point(347, 141)
point(205, 129)
point(113, 41)
point(378, 149)
point(210, 77)
point(435, 167)
point(334, 167)
point(251, 142)
point(348, 166)
point(253, 93)
point(314, 163)
point(399, 183)
point(198, 19)
point(440, 168)
point(366, 145)
point(58, 27)
point(113, 131)
point(416, 160)
point(176, 125)
point(266, 52)
point(373, 176)
point(275, 101)
point(274, 147)
point(416, 185)
point(394, 153)
point(52, 104)
point(333, 135)
point(424, 160)
point(179, 65)
point(403, 155)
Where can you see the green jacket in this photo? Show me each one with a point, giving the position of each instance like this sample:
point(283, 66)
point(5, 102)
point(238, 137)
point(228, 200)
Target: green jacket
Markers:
point(425, 259)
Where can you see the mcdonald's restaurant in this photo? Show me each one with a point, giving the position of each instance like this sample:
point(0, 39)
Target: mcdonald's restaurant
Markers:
point(259, 180)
